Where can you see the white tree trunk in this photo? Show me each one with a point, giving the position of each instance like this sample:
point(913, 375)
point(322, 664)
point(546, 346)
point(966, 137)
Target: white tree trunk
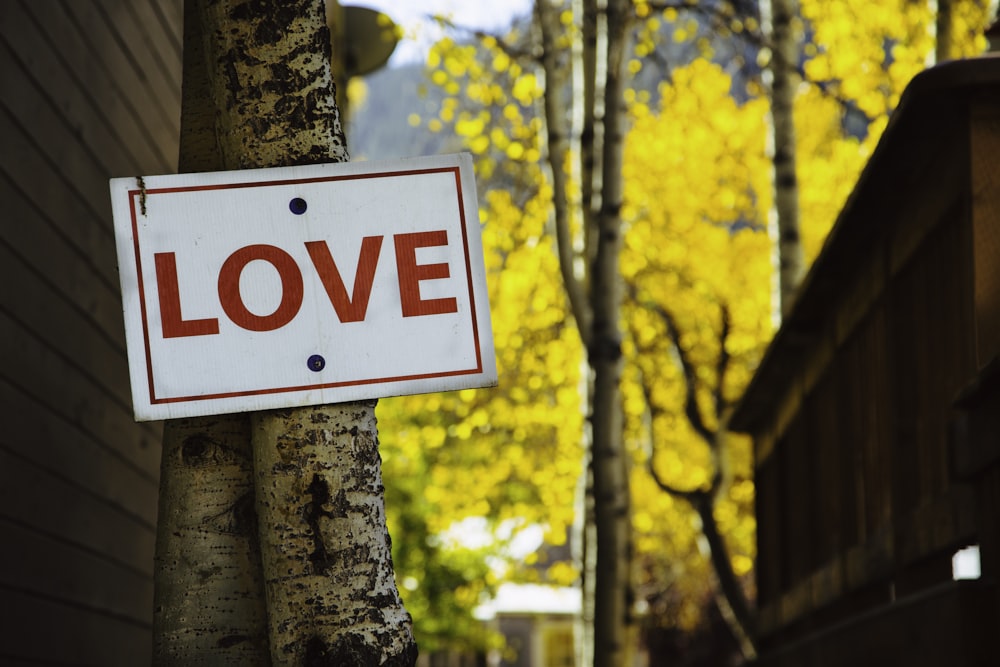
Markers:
point(778, 17)
point(331, 594)
point(613, 619)
point(209, 605)
point(208, 588)
point(259, 93)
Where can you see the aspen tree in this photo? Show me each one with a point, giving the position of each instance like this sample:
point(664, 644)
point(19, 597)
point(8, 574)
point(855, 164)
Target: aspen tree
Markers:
point(209, 595)
point(327, 568)
point(596, 302)
point(778, 17)
point(612, 518)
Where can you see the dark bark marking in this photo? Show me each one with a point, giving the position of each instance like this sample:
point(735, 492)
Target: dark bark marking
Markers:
point(315, 510)
point(604, 348)
point(232, 640)
point(195, 450)
point(239, 519)
point(200, 450)
point(207, 573)
point(352, 651)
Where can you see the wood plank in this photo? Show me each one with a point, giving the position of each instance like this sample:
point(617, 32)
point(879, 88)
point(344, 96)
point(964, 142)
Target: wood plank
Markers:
point(953, 624)
point(61, 202)
point(50, 632)
point(45, 375)
point(170, 14)
point(870, 562)
point(40, 244)
point(95, 88)
point(59, 570)
point(33, 432)
point(769, 565)
point(50, 318)
point(943, 182)
point(47, 150)
point(871, 379)
point(62, 509)
point(866, 287)
point(107, 45)
point(985, 146)
point(829, 483)
point(143, 34)
point(941, 524)
point(57, 85)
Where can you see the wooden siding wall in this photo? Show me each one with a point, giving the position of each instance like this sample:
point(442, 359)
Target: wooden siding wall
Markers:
point(856, 496)
point(89, 89)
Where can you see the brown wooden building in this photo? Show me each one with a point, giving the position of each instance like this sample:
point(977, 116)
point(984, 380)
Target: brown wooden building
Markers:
point(88, 90)
point(876, 410)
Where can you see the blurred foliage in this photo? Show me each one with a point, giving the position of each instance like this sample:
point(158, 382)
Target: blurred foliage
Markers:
point(697, 199)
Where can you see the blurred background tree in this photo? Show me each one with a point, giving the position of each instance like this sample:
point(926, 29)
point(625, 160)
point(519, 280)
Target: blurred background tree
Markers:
point(697, 267)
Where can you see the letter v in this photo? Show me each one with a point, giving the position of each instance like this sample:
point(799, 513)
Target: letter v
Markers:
point(349, 309)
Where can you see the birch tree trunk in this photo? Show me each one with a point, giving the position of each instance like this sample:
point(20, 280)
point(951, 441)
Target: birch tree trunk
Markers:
point(612, 590)
point(589, 194)
point(778, 18)
point(596, 299)
point(319, 496)
point(578, 72)
point(208, 589)
point(332, 598)
point(209, 598)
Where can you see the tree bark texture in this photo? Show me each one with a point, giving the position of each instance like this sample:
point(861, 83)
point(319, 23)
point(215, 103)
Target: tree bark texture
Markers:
point(613, 586)
point(331, 594)
point(784, 81)
point(268, 64)
point(209, 604)
point(590, 180)
point(208, 586)
point(557, 132)
point(258, 92)
point(591, 137)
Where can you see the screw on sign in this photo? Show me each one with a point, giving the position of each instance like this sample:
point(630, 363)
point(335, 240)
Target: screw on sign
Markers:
point(379, 285)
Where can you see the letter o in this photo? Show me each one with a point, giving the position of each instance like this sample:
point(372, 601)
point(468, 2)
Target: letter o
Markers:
point(232, 300)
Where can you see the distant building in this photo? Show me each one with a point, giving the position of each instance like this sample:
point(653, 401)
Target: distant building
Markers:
point(540, 624)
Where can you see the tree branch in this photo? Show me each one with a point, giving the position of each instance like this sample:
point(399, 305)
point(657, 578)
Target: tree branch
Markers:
point(558, 149)
point(722, 363)
point(745, 627)
point(692, 409)
point(740, 617)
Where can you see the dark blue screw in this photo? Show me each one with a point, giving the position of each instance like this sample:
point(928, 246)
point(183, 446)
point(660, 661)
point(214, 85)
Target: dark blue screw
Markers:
point(316, 363)
point(297, 206)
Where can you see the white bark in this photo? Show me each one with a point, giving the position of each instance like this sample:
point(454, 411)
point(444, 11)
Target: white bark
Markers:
point(613, 619)
point(778, 17)
point(209, 595)
point(258, 92)
point(209, 606)
point(331, 596)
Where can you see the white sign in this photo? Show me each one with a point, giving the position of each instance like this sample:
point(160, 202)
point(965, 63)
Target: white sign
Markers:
point(294, 286)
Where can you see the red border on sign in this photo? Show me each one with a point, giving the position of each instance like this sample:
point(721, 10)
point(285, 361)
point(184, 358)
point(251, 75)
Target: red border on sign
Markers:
point(144, 194)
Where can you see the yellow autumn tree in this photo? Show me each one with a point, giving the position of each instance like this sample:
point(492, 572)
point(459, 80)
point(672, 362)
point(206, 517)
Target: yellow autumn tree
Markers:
point(696, 263)
point(509, 456)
